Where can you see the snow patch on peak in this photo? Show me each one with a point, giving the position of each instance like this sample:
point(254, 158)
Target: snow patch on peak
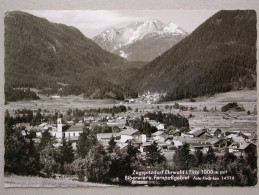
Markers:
point(123, 54)
point(173, 29)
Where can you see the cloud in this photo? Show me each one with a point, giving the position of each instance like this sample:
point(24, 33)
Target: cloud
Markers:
point(87, 21)
point(93, 22)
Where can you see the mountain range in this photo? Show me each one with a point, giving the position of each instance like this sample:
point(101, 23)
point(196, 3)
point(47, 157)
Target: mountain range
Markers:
point(140, 41)
point(219, 56)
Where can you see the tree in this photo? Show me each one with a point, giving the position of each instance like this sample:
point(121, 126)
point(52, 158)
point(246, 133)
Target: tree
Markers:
point(85, 142)
point(65, 154)
point(122, 163)
point(112, 144)
point(21, 157)
point(47, 160)
point(98, 164)
point(154, 155)
point(199, 157)
point(46, 139)
point(182, 157)
point(80, 168)
point(205, 109)
point(210, 157)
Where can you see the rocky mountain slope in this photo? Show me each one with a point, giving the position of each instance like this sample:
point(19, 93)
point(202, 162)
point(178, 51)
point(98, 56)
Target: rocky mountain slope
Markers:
point(141, 41)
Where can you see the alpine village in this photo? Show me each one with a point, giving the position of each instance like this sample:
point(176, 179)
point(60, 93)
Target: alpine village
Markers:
point(163, 107)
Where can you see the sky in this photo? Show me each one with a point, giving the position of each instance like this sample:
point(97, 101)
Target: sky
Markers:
point(94, 22)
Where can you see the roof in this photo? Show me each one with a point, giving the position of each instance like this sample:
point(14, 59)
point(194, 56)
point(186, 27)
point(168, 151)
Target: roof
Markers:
point(187, 139)
point(129, 132)
point(244, 146)
point(75, 128)
point(199, 132)
point(106, 135)
point(162, 144)
point(213, 140)
point(214, 130)
point(196, 145)
point(134, 141)
point(26, 125)
point(158, 133)
point(146, 144)
point(238, 139)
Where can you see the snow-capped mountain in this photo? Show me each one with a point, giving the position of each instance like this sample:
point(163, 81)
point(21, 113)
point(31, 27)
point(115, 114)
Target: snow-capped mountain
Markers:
point(141, 41)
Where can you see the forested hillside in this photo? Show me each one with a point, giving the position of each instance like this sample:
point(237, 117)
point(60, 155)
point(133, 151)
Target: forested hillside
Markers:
point(39, 54)
point(220, 55)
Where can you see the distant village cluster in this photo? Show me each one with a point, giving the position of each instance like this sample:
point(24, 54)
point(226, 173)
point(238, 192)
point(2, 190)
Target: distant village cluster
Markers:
point(168, 139)
point(147, 97)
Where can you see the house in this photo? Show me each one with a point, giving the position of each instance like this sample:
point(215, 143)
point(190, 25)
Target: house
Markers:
point(216, 142)
point(153, 123)
point(187, 135)
point(178, 141)
point(89, 119)
point(38, 134)
point(159, 136)
point(144, 147)
point(216, 132)
point(163, 146)
point(23, 126)
point(24, 132)
point(104, 138)
point(112, 123)
point(246, 148)
point(204, 147)
point(134, 142)
point(160, 126)
point(236, 138)
point(70, 123)
point(129, 134)
point(199, 133)
point(233, 148)
point(241, 149)
point(175, 133)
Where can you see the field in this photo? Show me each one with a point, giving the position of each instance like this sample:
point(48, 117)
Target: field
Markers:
point(30, 181)
point(228, 121)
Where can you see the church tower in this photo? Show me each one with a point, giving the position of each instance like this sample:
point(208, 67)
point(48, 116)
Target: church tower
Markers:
point(59, 128)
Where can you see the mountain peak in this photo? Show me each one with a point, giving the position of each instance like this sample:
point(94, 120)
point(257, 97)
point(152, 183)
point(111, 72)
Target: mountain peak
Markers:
point(173, 29)
point(113, 39)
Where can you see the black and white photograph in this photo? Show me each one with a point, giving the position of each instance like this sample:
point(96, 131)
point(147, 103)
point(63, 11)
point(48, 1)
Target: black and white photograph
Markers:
point(140, 98)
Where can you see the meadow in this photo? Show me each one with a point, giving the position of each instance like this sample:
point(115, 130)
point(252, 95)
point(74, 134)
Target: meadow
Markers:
point(12, 180)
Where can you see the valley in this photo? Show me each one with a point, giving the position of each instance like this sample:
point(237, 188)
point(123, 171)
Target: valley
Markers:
point(227, 121)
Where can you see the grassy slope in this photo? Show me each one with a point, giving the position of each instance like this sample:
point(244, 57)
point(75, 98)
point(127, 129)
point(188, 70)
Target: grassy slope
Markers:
point(30, 181)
